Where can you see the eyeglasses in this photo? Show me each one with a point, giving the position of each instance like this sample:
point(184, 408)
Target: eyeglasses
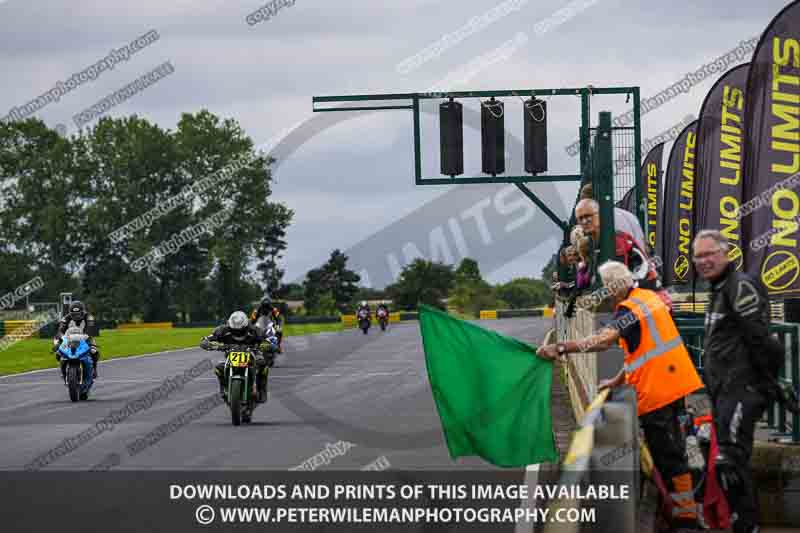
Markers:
point(707, 255)
point(583, 219)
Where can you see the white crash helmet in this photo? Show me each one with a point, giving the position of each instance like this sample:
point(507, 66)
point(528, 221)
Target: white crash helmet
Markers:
point(238, 322)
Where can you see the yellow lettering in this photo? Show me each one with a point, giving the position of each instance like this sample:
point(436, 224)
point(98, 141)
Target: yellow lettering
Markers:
point(685, 228)
point(790, 48)
point(732, 97)
point(687, 183)
point(652, 189)
point(779, 78)
point(795, 164)
point(690, 141)
point(731, 136)
point(788, 225)
point(728, 207)
point(734, 152)
point(789, 98)
point(790, 115)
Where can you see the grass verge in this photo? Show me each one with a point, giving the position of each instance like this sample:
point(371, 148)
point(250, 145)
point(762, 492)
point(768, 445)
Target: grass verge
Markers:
point(35, 354)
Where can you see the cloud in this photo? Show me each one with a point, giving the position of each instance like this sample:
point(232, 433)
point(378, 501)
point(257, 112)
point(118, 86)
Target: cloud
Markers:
point(264, 76)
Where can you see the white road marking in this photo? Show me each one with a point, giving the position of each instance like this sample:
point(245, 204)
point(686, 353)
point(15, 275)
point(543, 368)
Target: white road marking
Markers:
point(531, 479)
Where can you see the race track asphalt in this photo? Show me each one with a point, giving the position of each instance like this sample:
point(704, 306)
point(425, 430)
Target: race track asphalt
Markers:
point(364, 396)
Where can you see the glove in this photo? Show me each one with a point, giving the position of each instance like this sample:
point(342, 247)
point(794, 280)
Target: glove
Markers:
point(205, 344)
point(728, 474)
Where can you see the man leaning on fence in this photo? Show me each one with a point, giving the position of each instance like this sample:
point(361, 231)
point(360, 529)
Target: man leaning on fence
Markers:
point(741, 361)
point(658, 366)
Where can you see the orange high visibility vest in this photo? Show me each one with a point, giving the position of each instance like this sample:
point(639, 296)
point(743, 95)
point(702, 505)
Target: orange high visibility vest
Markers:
point(660, 368)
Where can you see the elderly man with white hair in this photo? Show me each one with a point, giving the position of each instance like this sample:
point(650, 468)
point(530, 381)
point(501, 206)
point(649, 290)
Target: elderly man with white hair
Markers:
point(658, 366)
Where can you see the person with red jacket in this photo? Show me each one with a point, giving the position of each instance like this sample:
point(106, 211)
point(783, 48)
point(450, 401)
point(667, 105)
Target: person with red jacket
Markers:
point(626, 250)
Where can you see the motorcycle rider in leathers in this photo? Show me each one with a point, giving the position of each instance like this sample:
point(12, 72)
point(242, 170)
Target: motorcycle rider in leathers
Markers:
point(737, 373)
point(267, 309)
point(76, 316)
point(239, 331)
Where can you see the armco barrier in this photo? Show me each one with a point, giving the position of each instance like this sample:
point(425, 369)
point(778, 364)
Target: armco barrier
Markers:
point(312, 320)
point(604, 452)
point(519, 313)
point(491, 314)
point(14, 326)
point(289, 320)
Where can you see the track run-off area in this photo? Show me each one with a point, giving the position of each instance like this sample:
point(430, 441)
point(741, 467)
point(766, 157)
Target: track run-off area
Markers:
point(340, 400)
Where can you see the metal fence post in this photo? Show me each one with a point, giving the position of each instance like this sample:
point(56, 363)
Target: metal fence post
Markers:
point(603, 177)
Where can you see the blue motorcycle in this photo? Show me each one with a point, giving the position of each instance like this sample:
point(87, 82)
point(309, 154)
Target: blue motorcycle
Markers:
point(75, 351)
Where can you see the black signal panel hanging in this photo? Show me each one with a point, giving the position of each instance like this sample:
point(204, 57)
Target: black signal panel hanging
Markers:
point(493, 137)
point(535, 123)
point(451, 138)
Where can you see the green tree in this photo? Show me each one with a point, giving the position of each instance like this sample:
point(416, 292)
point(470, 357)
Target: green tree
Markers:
point(128, 166)
point(62, 198)
point(468, 271)
point(42, 207)
point(272, 245)
point(371, 294)
point(290, 291)
point(324, 306)
point(473, 296)
point(422, 282)
point(524, 293)
point(472, 293)
point(333, 277)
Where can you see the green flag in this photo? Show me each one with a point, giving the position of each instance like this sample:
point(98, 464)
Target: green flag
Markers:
point(492, 392)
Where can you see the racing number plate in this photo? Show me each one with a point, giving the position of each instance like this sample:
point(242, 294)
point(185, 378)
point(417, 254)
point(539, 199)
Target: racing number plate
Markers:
point(239, 359)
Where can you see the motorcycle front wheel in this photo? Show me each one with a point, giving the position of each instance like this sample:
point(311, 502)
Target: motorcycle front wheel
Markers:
point(74, 382)
point(236, 402)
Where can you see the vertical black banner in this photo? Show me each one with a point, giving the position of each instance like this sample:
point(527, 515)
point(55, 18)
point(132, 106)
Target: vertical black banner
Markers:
point(678, 208)
point(628, 202)
point(772, 156)
point(718, 179)
point(652, 171)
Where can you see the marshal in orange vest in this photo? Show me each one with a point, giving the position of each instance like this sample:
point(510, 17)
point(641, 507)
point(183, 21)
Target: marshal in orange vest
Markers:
point(660, 368)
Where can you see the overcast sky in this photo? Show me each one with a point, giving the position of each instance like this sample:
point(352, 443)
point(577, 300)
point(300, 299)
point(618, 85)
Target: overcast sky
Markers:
point(353, 180)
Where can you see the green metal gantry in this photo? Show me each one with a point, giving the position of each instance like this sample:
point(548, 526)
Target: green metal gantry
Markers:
point(598, 169)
